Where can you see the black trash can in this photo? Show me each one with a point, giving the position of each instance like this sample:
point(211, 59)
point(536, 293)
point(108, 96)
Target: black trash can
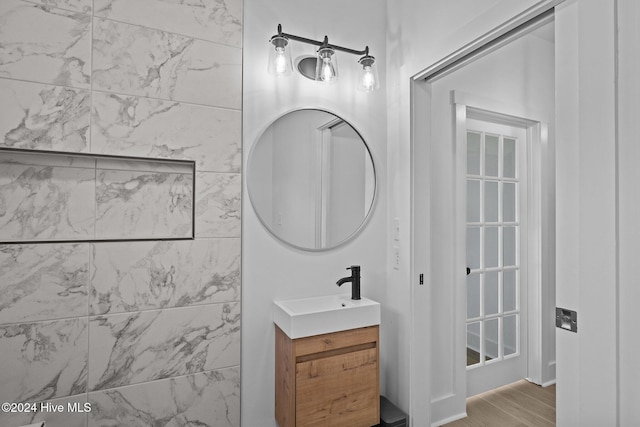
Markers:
point(391, 415)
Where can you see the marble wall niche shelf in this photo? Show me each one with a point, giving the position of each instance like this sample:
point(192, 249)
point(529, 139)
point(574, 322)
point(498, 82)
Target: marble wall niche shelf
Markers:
point(63, 197)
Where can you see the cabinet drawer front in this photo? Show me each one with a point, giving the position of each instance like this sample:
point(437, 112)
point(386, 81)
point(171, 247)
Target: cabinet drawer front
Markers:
point(339, 390)
point(336, 340)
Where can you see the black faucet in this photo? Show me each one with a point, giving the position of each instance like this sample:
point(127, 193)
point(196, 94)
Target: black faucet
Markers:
point(354, 279)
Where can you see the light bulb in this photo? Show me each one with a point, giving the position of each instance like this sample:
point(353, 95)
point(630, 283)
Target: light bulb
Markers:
point(327, 72)
point(368, 79)
point(281, 61)
point(326, 66)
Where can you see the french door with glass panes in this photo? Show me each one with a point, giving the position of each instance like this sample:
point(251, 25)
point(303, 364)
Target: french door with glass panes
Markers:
point(496, 208)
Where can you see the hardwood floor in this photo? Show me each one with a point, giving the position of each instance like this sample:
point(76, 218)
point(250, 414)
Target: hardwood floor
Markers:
point(520, 404)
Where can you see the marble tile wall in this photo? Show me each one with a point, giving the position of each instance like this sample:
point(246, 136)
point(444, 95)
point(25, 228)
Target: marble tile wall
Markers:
point(146, 333)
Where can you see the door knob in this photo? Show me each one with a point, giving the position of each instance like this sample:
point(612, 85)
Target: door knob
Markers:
point(468, 271)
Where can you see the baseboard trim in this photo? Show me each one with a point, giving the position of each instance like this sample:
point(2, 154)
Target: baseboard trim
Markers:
point(449, 419)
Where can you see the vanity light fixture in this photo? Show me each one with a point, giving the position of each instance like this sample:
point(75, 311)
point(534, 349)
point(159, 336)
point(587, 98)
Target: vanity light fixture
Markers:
point(326, 64)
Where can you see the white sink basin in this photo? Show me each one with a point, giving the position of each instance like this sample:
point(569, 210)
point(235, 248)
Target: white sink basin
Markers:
point(305, 317)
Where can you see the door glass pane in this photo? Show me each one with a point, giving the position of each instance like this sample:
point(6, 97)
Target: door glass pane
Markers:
point(490, 293)
point(490, 247)
point(491, 201)
point(493, 213)
point(473, 296)
point(473, 247)
point(509, 293)
point(491, 158)
point(509, 165)
point(510, 326)
point(491, 339)
point(473, 343)
point(473, 200)
point(509, 201)
point(509, 239)
point(473, 153)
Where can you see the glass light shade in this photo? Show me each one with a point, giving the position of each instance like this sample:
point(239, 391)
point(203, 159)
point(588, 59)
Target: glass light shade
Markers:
point(326, 66)
point(279, 57)
point(368, 79)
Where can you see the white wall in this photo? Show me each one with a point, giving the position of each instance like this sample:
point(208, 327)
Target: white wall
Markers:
point(271, 269)
point(262, 187)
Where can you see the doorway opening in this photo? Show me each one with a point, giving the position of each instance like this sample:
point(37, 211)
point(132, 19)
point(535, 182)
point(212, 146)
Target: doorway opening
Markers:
point(486, 204)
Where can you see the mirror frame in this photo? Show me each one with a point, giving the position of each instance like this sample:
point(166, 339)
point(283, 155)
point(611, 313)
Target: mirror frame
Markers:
point(375, 182)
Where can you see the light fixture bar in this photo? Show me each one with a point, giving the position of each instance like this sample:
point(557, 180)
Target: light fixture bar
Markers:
point(324, 43)
point(326, 63)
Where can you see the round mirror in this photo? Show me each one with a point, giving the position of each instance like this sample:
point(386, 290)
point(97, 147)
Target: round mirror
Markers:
point(311, 179)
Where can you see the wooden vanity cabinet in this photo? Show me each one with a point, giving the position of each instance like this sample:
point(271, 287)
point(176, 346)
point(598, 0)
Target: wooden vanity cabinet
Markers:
point(328, 380)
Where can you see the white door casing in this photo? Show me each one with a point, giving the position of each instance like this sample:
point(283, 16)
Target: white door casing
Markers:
point(468, 106)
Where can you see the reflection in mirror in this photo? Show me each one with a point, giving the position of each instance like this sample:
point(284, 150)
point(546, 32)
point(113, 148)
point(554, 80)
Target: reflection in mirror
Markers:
point(311, 179)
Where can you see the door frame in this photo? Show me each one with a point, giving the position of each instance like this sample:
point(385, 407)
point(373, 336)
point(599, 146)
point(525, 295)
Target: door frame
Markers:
point(537, 135)
point(420, 148)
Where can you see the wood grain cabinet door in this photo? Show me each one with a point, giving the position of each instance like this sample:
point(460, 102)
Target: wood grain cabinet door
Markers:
point(338, 390)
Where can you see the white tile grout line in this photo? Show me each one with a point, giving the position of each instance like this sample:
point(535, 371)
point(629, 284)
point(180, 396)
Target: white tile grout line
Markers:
point(150, 98)
point(91, 317)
